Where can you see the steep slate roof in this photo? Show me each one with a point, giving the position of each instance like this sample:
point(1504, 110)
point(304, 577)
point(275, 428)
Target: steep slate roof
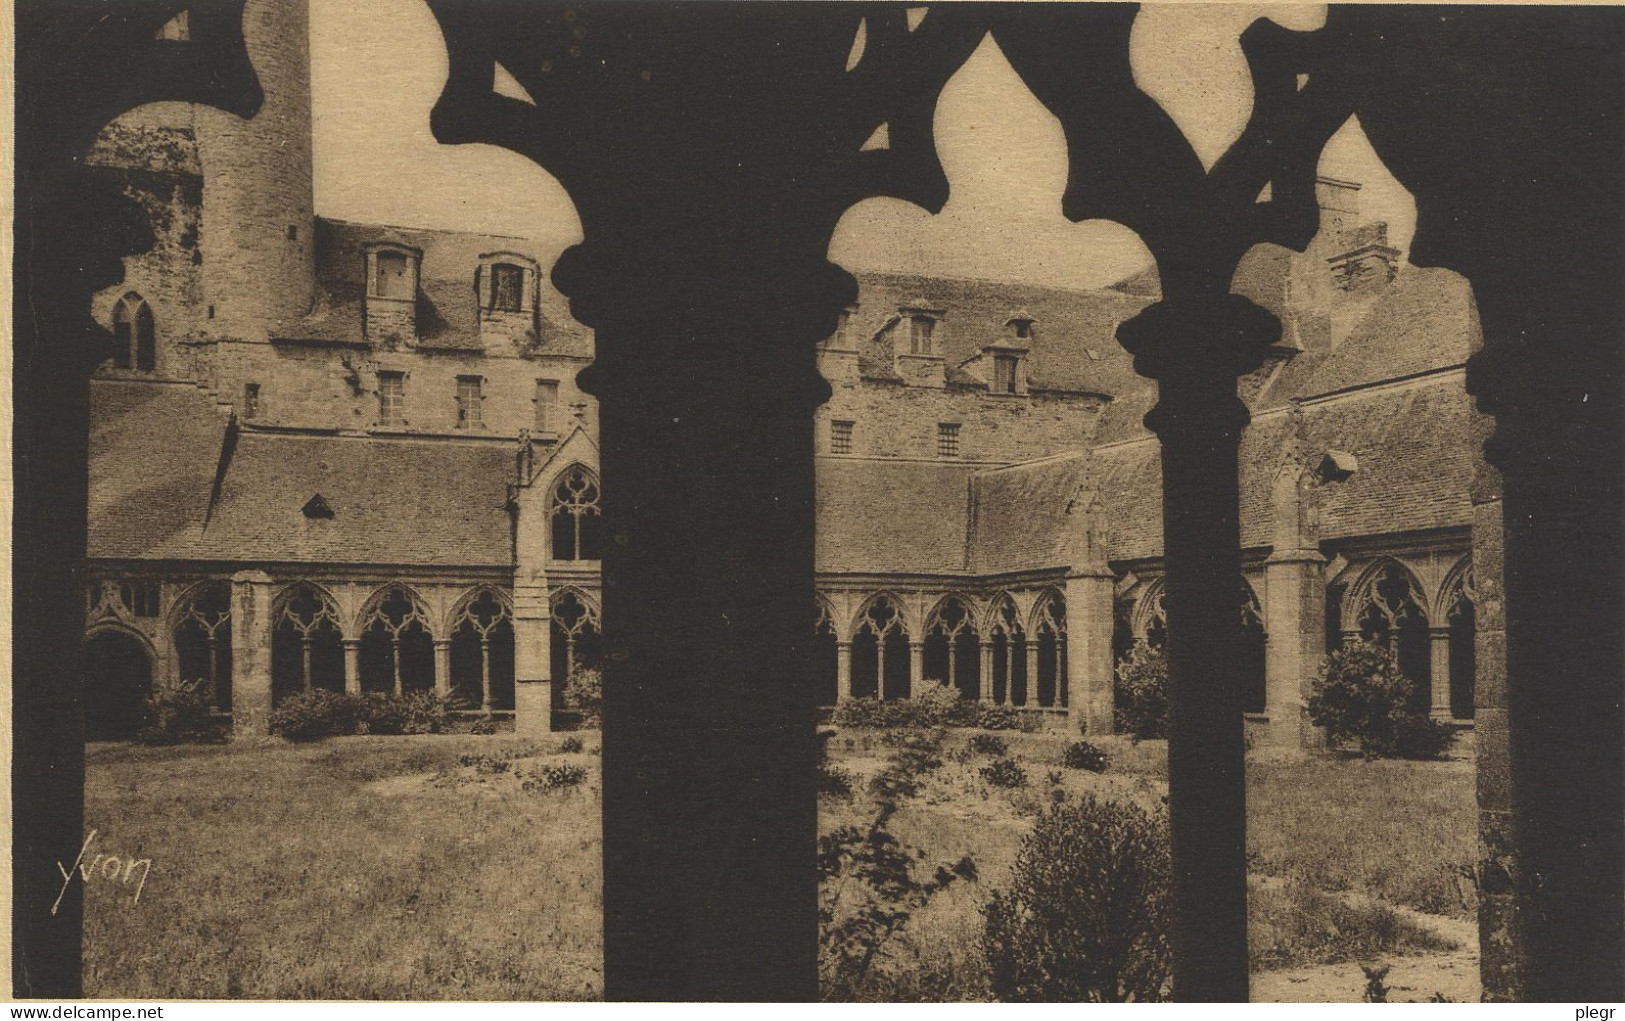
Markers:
point(918, 527)
point(153, 452)
point(1023, 518)
point(154, 455)
point(448, 312)
point(1074, 346)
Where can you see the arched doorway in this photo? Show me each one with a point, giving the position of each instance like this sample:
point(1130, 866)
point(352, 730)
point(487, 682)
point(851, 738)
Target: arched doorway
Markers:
point(118, 679)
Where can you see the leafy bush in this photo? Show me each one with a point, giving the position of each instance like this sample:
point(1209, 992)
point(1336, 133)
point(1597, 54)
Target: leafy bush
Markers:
point(570, 746)
point(1361, 696)
point(1004, 773)
point(315, 714)
point(867, 889)
point(989, 744)
point(1083, 755)
point(1089, 912)
point(584, 695)
point(483, 728)
point(934, 705)
point(415, 712)
point(179, 713)
point(992, 717)
point(1141, 697)
point(834, 782)
point(555, 777)
point(488, 764)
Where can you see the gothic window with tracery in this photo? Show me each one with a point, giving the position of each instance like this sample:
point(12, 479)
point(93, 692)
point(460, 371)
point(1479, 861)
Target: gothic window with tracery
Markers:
point(577, 516)
point(952, 648)
point(203, 641)
point(1050, 634)
point(307, 649)
point(1462, 615)
point(482, 652)
point(826, 655)
point(1009, 651)
point(577, 639)
point(397, 652)
point(880, 653)
point(1389, 613)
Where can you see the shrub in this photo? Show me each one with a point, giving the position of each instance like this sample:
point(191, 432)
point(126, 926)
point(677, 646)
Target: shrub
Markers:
point(1088, 915)
point(916, 753)
point(1361, 696)
point(989, 744)
point(555, 777)
point(1004, 773)
point(415, 712)
point(1141, 702)
point(584, 696)
point(488, 764)
point(179, 713)
point(994, 717)
point(570, 746)
point(834, 782)
point(483, 728)
point(1083, 755)
point(315, 714)
point(934, 705)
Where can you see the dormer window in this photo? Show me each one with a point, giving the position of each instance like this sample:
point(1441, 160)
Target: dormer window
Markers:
point(1019, 328)
point(919, 335)
point(1004, 374)
point(392, 276)
point(317, 509)
point(1024, 330)
point(507, 287)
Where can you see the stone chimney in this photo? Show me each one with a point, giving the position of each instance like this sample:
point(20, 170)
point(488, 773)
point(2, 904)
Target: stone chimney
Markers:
point(1367, 262)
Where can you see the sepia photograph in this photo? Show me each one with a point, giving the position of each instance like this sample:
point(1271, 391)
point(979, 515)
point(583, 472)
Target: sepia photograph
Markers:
point(817, 502)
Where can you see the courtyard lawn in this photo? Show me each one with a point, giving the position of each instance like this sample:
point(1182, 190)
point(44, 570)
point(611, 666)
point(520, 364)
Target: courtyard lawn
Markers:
point(445, 867)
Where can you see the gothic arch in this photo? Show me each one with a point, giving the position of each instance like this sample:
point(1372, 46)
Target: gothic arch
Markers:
point(575, 514)
point(952, 644)
point(307, 640)
point(480, 638)
point(826, 651)
point(1388, 606)
point(119, 665)
point(110, 624)
point(135, 334)
point(881, 632)
point(198, 627)
point(1457, 584)
point(1047, 629)
point(576, 632)
point(1357, 593)
point(1006, 635)
point(1147, 619)
point(396, 639)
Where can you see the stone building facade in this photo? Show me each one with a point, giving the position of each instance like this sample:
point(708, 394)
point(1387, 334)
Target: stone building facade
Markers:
point(356, 456)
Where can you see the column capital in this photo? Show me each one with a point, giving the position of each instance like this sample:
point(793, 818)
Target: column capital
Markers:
point(1296, 556)
point(1195, 347)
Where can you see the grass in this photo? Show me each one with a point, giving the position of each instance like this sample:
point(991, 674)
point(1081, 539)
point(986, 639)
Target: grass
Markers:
point(418, 867)
point(1390, 829)
point(330, 870)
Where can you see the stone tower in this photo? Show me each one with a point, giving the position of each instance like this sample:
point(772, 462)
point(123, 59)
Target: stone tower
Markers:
point(258, 230)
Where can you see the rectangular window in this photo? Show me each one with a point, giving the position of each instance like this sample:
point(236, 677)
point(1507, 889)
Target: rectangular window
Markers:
point(391, 398)
point(947, 439)
point(1004, 374)
point(919, 336)
point(547, 402)
point(507, 287)
point(392, 280)
point(469, 402)
point(840, 437)
point(251, 400)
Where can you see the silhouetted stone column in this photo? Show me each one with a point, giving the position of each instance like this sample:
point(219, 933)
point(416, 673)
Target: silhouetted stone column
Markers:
point(1195, 348)
point(251, 629)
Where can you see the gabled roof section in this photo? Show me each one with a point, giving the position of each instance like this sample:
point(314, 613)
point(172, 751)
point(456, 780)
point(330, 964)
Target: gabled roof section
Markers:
point(1075, 347)
point(448, 308)
point(887, 516)
point(1024, 516)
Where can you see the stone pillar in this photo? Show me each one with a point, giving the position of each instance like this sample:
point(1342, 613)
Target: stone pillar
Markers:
point(442, 667)
point(985, 678)
point(1294, 610)
point(1195, 342)
point(916, 668)
point(352, 666)
point(1295, 623)
point(533, 660)
point(1089, 666)
point(843, 671)
point(1030, 699)
point(251, 627)
point(1439, 686)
